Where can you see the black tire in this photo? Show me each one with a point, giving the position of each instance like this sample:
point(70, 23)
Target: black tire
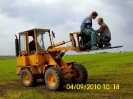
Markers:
point(27, 78)
point(82, 74)
point(54, 79)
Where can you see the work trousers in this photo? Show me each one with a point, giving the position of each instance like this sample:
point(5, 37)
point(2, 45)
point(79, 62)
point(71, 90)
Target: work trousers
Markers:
point(90, 35)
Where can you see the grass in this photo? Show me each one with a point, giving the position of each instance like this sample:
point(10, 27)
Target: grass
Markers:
point(108, 68)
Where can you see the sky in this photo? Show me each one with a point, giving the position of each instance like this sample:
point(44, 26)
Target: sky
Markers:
point(64, 17)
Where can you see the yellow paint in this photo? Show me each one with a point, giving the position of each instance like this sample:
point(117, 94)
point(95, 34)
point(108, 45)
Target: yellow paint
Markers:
point(22, 61)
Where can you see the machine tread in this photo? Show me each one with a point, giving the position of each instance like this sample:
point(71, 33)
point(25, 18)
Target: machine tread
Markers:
point(82, 72)
point(33, 78)
point(59, 77)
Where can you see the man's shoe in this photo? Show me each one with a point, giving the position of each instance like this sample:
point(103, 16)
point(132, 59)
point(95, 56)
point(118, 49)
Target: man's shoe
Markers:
point(94, 47)
point(88, 50)
point(107, 46)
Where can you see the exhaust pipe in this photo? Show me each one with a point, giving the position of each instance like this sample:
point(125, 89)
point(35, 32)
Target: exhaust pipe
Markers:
point(16, 46)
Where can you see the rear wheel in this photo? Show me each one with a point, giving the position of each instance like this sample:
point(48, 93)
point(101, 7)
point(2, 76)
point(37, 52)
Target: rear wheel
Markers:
point(82, 74)
point(27, 78)
point(54, 79)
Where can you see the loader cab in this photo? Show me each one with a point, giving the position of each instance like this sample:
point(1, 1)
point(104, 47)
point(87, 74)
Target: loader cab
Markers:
point(34, 41)
point(31, 47)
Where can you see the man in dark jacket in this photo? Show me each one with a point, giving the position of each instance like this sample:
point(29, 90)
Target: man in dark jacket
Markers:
point(32, 46)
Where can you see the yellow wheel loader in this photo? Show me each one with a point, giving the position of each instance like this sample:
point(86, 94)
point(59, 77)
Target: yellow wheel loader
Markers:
point(38, 57)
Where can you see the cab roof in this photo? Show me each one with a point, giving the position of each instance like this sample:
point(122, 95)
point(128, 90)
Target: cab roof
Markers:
point(37, 29)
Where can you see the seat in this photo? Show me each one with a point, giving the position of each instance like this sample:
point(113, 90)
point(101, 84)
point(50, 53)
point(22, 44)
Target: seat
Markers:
point(83, 39)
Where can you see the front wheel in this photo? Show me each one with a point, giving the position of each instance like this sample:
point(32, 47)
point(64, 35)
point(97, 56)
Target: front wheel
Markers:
point(82, 74)
point(27, 78)
point(54, 79)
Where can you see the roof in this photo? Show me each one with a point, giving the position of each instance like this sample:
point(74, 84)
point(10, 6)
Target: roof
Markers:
point(40, 29)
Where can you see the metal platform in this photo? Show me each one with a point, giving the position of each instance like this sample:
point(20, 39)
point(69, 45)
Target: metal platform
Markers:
point(105, 48)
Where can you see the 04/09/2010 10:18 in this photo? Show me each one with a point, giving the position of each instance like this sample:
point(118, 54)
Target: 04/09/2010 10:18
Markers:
point(92, 86)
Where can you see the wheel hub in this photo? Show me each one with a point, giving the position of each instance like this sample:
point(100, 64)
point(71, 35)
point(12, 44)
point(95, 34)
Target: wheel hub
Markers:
point(26, 78)
point(51, 79)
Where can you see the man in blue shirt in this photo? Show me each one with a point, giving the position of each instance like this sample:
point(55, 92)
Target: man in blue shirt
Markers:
point(89, 32)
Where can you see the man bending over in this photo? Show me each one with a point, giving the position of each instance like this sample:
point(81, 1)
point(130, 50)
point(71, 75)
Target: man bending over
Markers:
point(105, 35)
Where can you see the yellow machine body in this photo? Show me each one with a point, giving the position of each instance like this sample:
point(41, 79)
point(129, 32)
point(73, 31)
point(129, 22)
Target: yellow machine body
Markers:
point(38, 61)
